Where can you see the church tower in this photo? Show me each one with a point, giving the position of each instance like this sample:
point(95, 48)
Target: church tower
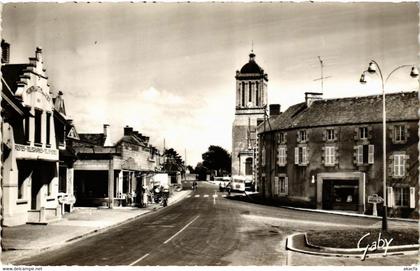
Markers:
point(251, 102)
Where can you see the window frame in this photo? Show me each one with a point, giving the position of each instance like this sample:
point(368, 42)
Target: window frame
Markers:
point(399, 133)
point(330, 131)
point(330, 159)
point(398, 165)
point(363, 132)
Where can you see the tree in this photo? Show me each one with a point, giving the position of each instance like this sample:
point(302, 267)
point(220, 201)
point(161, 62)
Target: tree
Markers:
point(217, 159)
point(201, 171)
point(190, 169)
point(173, 161)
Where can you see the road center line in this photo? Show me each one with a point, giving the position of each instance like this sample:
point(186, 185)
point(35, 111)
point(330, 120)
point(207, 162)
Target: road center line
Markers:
point(181, 230)
point(138, 260)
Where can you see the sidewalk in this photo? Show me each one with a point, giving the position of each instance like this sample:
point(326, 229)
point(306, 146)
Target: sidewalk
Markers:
point(26, 240)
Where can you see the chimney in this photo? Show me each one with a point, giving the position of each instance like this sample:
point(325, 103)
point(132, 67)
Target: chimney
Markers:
point(128, 130)
point(310, 97)
point(274, 110)
point(107, 135)
point(5, 52)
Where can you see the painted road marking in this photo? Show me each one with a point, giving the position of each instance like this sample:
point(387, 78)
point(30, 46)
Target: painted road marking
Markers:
point(173, 236)
point(224, 196)
point(215, 196)
point(206, 196)
point(196, 196)
point(189, 196)
point(138, 260)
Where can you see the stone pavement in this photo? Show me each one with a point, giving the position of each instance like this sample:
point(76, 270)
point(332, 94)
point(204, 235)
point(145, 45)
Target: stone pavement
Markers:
point(26, 240)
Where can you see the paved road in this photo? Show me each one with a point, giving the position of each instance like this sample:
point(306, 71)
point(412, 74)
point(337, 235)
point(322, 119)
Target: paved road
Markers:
point(207, 229)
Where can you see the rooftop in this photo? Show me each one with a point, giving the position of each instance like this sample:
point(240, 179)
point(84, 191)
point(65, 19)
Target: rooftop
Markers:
point(400, 106)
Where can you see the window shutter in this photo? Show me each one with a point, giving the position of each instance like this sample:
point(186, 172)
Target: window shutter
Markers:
point(308, 134)
point(390, 197)
point(391, 165)
point(407, 133)
point(371, 154)
point(286, 185)
point(323, 155)
point(305, 155)
point(391, 133)
point(336, 155)
point(370, 132)
point(356, 133)
point(285, 137)
point(324, 135)
point(297, 155)
point(355, 151)
point(297, 136)
point(276, 185)
point(360, 154)
point(336, 134)
point(406, 164)
point(412, 197)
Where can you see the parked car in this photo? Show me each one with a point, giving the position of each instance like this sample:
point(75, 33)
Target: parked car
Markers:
point(224, 183)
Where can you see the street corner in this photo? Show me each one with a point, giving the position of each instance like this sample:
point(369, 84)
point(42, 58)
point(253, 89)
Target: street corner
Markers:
point(354, 244)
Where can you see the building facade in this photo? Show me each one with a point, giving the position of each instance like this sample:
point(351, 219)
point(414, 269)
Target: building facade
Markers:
point(250, 110)
point(327, 154)
point(113, 174)
point(30, 171)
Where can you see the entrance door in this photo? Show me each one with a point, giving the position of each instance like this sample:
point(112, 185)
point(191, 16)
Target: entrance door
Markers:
point(327, 194)
point(340, 195)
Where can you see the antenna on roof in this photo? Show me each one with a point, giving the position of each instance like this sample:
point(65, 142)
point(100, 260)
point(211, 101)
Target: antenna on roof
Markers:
point(322, 74)
point(252, 46)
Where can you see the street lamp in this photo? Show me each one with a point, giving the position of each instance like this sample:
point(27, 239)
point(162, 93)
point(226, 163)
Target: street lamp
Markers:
point(375, 69)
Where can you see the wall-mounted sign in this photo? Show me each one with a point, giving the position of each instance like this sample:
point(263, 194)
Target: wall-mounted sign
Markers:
point(375, 199)
point(38, 89)
point(35, 153)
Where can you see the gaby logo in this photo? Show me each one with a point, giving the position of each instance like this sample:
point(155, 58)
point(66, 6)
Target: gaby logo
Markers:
point(378, 244)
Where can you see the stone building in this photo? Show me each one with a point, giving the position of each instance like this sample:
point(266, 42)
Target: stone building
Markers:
point(113, 174)
point(250, 110)
point(30, 162)
point(327, 154)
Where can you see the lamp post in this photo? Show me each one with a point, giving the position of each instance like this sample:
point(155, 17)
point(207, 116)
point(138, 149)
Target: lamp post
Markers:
point(375, 69)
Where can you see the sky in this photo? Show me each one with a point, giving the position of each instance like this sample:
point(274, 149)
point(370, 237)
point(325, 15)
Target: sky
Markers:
point(168, 69)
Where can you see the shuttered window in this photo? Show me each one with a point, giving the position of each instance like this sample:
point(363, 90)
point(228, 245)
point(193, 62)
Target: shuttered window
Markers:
point(301, 155)
point(399, 165)
point(281, 156)
point(329, 155)
point(365, 154)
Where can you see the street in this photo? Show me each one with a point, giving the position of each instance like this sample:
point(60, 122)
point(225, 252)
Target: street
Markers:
point(208, 229)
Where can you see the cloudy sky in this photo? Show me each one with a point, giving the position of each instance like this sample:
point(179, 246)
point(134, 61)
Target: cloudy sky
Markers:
point(168, 69)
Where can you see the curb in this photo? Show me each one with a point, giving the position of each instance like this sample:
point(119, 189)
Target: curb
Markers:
point(351, 214)
point(345, 252)
point(93, 232)
point(409, 220)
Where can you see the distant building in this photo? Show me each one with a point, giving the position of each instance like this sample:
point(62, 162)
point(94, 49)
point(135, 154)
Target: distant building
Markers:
point(113, 174)
point(327, 154)
point(250, 110)
point(31, 156)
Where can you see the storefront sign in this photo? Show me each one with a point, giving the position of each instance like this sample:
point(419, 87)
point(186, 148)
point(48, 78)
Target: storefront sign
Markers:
point(67, 199)
point(35, 153)
point(375, 199)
